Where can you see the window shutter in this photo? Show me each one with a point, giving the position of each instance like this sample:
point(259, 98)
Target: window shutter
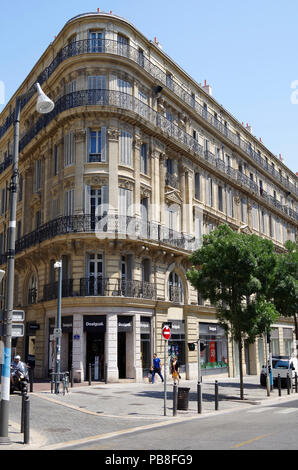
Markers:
point(103, 144)
point(87, 193)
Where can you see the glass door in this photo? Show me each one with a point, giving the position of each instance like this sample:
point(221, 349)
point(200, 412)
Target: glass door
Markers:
point(95, 274)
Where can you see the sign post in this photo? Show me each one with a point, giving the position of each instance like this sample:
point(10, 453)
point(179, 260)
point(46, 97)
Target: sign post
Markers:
point(166, 333)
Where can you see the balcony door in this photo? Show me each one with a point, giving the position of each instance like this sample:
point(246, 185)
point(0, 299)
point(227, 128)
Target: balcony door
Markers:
point(96, 41)
point(95, 281)
point(96, 200)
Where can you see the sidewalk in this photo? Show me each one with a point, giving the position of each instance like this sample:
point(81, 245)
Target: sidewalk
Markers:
point(100, 409)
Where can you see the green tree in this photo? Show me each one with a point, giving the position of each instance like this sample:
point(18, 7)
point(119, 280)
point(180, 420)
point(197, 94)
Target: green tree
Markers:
point(284, 287)
point(233, 270)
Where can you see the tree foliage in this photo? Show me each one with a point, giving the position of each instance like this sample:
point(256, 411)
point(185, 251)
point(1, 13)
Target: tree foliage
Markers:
point(234, 270)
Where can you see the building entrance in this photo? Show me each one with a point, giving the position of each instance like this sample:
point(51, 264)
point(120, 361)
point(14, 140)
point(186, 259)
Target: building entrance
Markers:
point(122, 354)
point(95, 355)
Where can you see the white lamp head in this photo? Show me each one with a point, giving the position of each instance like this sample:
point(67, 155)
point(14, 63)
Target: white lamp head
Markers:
point(44, 104)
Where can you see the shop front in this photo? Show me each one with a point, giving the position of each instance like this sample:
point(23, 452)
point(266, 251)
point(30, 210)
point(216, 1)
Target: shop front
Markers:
point(94, 326)
point(146, 353)
point(66, 344)
point(176, 344)
point(214, 358)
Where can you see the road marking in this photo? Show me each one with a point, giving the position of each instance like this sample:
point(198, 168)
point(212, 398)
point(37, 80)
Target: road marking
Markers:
point(260, 410)
point(287, 410)
point(244, 443)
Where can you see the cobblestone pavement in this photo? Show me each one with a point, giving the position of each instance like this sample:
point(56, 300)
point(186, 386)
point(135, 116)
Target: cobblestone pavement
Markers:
point(99, 410)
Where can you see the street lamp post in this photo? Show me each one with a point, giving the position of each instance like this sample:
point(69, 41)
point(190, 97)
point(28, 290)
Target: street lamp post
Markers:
point(58, 266)
point(44, 105)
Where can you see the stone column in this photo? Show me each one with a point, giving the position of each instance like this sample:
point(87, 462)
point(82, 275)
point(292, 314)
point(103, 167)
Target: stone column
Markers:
point(111, 348)
point(137, 348)
point(78, 352)
point(80, 158)
point(113, 158)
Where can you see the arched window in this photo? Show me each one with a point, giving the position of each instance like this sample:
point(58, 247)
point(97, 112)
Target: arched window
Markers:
point(175, 288)
point(32, 290)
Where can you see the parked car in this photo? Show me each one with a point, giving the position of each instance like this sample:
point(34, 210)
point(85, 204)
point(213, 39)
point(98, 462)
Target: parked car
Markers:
point(281, 365)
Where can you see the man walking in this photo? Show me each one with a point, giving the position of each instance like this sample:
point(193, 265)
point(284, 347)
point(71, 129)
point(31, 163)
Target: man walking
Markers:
point(156, 369)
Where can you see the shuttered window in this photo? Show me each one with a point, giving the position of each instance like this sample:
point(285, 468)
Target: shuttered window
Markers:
point(69, 149)
point(125, 148)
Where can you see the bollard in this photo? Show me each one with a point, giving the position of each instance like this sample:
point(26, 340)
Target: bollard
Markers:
point(72, 377)
point(89, 373)
point(216, 395)
point(279, 384)
point(175, 399)
point(296, 385)
point(288, 383)
point(26, 419)
point(31, 378)
point(199, 392)
point(22, 413)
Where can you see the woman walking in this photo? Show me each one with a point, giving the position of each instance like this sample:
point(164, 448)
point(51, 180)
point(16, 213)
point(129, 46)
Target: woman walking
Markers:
point(175, 370)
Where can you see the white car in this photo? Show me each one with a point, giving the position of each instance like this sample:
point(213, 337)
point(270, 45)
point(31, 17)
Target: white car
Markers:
point(281, 365)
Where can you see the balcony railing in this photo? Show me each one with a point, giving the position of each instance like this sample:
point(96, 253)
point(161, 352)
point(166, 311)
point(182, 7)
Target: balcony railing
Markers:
point(50, 291)
point(126, 101)
point(108, 46)
point(100, 286)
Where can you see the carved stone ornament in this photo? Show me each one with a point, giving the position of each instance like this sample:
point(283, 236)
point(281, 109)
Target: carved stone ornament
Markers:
point(237, 200)
point(96, 181)
point(126, 184)
point(113, 133)
point(80, 135)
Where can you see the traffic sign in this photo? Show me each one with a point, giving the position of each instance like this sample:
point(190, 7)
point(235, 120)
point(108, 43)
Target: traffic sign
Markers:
point(166, 332)
point(17, 330)
point(18, 315)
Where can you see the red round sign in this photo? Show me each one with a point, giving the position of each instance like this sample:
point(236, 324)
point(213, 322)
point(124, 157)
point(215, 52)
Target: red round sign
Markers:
point(166, 332)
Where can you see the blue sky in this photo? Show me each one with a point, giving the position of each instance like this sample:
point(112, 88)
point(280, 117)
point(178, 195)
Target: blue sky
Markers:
point(247, 51)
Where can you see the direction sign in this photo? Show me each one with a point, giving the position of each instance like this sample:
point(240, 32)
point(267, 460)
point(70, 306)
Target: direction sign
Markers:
point(17, 330)
point(18, 315)
point(166, 332)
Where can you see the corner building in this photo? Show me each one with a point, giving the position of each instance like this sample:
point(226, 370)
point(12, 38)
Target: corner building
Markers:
point(121, 180)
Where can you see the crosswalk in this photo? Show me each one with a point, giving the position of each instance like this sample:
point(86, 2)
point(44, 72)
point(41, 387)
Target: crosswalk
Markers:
point(273, 409)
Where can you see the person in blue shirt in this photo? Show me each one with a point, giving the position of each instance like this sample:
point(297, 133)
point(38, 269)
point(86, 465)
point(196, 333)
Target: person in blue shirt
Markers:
point(156, 368)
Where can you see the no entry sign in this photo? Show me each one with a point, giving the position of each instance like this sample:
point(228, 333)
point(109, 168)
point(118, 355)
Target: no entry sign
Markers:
point(166, 332)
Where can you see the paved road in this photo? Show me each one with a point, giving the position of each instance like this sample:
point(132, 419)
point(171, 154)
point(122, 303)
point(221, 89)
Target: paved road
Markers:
point(258, 428)
point(103, 412)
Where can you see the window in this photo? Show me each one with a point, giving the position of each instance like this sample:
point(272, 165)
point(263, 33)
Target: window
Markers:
point(69, 202)
point(37, 219)
point(209, 189)
point(95, 43)
point(230, 208)
point(243, 210)
point(141, 57)
point(198, 186)
point(255, 218)
point(125, 143)
point(97, 145)
point(125, 209)
point(37, 175)
point(144, 159)
point(69, 149)
point(220, 199)
point(271, 231)
point(175, 288)
point(169, 80)
point(71, 87)
point(97, 86)
point(173, 217)
point(125, 90)
point(95, 282)
point(263, 227)
point(143, 103)
point(122, 44)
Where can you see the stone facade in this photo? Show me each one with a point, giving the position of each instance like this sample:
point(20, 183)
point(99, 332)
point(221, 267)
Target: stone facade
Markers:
point(121, 181)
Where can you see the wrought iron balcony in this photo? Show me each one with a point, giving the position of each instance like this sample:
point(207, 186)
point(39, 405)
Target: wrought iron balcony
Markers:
point(100, 286)
point(107, 46)
point(50, 291)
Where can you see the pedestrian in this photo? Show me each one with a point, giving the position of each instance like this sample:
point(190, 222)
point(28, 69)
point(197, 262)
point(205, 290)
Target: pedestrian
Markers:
point(156, 368)
point(175, 370)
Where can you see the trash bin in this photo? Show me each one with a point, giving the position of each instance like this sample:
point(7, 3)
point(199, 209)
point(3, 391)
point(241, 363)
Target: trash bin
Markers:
point(183, 395)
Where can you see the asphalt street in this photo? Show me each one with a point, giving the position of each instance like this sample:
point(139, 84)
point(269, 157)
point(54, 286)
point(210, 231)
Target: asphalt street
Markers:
point(131, 416)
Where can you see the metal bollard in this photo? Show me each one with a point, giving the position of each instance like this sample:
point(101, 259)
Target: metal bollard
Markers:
point(31, 378)
point(288, 383)
point(279, 384)
point(72, 377)
point(175, 399)
point(89, 373)
point(199, 392)
point(26, 419)
point(216, 395)
point(296, 384)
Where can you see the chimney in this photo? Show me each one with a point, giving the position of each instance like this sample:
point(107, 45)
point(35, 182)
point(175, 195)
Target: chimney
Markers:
point(249, 128)
point(261, 139)
point(281, 158)
point(207, 88)
point(98, 10)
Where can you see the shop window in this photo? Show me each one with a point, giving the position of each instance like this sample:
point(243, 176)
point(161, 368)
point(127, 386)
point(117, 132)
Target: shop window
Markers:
point(215, 355)
point(176, 344)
